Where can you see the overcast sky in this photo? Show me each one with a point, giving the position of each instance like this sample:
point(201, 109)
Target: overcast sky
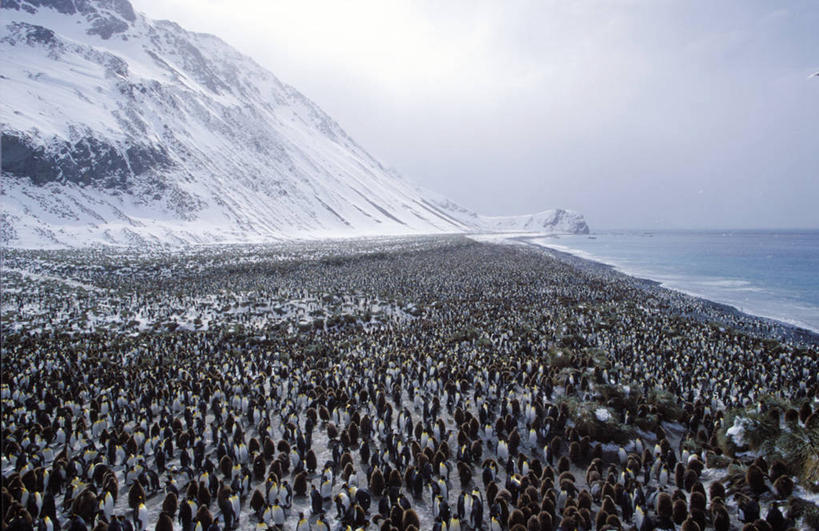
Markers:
point(649, 114)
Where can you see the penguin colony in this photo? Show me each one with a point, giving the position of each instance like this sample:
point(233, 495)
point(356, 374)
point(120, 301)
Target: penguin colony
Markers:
point(527, 394)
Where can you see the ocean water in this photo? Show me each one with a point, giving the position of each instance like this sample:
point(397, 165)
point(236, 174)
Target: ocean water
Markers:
point(771, 274)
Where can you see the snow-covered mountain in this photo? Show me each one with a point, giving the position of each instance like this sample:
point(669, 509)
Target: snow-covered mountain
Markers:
point(558, 220)
point(555, 220)
point(118, 129)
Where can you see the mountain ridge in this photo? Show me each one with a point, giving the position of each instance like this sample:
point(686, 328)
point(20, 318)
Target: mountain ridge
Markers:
point(121, 130)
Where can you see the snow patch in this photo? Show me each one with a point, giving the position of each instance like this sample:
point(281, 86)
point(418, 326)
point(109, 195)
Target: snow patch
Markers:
point(737, 432)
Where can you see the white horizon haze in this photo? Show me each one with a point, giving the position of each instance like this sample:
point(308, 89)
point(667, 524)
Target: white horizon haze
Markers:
point(638, 114)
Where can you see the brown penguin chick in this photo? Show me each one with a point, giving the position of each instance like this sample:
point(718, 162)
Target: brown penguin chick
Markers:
point(85, 505)
point(699, 487)
point(100, 470)
point(696, 501)
point(600, 519)
point(608, 506)
point(679, 473)
point(464, 473)
point(410, 518)
point(284, 463)
point(533, 523)
point(345, 439)
point(721, 519)
point(592, 475)
point(310, 461)
point(755, 479)
point(699, 516)
point(565, 476)
point(254, 447)
point(377, 482)
point(170, 504)
point(226, 466)
point(346, 459)
point(778, 469)
point(204, 517)
point(613, 521)
point(690, 478)
point(665, 507)
point(268, 449)
point(716, 490)
point(564, 464)
point(491, 492)
point(223, 494)
point(696, 465)
point(679, 512)
point(394, 479)
point(546, 521)
point(353, 433)
point(516, 517)
point(608, 490)
point(203, 495)
point(783, 486)
point(690, 525)
point(324, 414)
point(164, 522)
point(477, 449)
point(365, 426)
point(257, 502)
point(259, 467)
point(776, 519)
point(275, 469)
point(396, 516)
point(348, 471)
point(300, 484)
point(136, 495)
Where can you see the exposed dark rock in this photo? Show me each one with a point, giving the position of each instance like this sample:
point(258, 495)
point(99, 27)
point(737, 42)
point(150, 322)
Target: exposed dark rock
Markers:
point(32, 35)
point(107, 17)
point(87, 161)
point(107, 26)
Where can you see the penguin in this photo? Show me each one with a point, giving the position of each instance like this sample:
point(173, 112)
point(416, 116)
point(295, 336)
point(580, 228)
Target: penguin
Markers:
point(316, 500)
point(303, 524)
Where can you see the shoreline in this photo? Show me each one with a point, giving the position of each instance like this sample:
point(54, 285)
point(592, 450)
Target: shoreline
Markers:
point(720, 312)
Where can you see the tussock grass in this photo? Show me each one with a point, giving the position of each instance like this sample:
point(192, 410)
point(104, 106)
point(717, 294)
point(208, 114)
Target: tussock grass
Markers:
point(587, 423)
point(796, 444)
point(668, 407)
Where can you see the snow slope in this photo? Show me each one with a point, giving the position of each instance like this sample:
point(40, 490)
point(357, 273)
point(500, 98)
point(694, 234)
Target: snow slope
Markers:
point(121, 130)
